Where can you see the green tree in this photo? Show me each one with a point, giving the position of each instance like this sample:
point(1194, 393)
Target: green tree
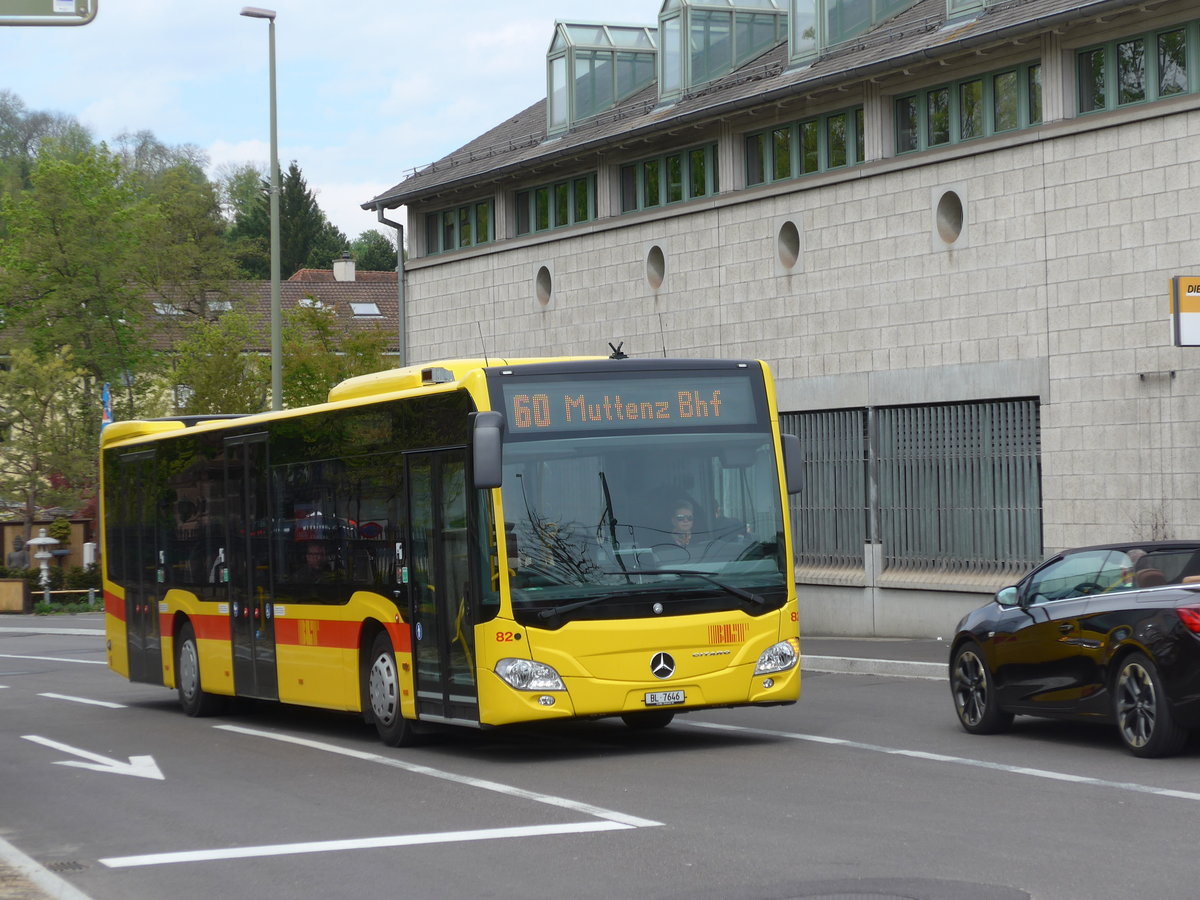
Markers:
point(318, 353)
point(374, 251)
point(48, 456)
point(71, 266)
point(306, 238)
point(186, 259)
point(220, 377)
point(239, 186)
point(23, 132)
point(144, 155)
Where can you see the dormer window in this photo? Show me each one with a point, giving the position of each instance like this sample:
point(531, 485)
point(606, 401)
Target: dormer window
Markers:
point(591, 68)
point(705, 39)
point(817, 24)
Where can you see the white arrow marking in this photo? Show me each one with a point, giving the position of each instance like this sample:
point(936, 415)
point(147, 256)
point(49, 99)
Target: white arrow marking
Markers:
point(139, 766)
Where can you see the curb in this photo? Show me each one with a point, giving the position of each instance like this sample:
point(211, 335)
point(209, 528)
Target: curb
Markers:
point(847, 665)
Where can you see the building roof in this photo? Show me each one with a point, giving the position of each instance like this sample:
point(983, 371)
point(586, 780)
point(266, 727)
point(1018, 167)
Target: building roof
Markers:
point(915, 36)
point(358, 305)
point(326, 275)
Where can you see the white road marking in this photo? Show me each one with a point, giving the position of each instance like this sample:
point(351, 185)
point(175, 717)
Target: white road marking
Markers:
point(138, 766)
point(499, 788)
point(957, 760)
point(399, 840)
point(610, 820)
point(105, 703)
point(86, 662)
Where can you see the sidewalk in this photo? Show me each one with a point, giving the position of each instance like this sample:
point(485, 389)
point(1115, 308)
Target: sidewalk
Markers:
point(21, 878)
point(902, 657)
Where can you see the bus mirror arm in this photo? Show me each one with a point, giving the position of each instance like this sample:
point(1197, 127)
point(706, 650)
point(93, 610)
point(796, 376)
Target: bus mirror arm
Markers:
point(793, 462)
point(486, 449)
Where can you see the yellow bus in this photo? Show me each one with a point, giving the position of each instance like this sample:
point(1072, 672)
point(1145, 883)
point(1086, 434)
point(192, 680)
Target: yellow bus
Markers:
point(471, 543)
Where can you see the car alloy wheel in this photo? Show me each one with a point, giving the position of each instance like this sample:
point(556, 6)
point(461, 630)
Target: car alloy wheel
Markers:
point(974, 693)
point(1143, 718)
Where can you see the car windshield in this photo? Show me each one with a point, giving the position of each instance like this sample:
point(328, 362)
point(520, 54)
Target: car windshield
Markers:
point(610, 526)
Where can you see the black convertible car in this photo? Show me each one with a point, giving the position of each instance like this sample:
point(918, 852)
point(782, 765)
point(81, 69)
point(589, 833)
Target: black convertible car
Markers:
point(1109, 632)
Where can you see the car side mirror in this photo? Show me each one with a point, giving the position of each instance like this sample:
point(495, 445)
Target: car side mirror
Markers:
point(1008, 596)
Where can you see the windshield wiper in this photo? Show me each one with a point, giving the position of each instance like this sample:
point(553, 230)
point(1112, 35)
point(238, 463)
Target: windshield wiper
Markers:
point(728, 588)
point(579, 604)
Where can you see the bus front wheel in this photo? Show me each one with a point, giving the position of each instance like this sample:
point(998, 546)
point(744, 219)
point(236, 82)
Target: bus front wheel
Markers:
point(383, 694)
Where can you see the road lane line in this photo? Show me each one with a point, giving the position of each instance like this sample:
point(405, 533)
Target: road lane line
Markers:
point(495, 786)
point(957, 760)
point(86, 662)
point(399, 840)
point(105, 703)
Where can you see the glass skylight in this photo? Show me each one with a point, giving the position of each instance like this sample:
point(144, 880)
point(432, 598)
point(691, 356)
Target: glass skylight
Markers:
point(705, 39)
point(591, 67)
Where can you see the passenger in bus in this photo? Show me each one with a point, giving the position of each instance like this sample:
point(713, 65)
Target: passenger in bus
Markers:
point(316, 566)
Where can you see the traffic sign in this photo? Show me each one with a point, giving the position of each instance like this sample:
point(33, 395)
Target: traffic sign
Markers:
point(47, 12)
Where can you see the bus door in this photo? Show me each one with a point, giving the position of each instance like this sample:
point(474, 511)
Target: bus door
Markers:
point(143, 568)
point(442, 601)
point(247, 557)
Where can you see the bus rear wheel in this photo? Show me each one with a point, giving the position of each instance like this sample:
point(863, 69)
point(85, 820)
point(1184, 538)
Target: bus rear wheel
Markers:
point(194, 700)
point(383, 696)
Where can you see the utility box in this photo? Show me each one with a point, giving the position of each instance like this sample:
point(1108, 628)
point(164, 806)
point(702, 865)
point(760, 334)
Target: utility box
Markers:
point(14, 595)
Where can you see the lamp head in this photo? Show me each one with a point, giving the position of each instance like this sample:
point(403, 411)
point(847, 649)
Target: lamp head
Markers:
point(257, 12)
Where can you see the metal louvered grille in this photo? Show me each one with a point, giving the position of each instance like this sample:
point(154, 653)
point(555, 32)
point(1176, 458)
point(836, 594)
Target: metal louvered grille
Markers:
point(829, 515)
point(953, 488)
point(960, 486)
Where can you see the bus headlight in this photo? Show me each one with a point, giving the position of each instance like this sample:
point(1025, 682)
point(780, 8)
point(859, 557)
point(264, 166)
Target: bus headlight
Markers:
point(527, 675)
point(778, 658)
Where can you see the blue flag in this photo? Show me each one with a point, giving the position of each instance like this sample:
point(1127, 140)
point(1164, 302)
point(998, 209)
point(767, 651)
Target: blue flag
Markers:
point(106, 406)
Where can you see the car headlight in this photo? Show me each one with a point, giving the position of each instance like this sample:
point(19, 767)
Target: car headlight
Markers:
point(779, 657)
point(527, 675)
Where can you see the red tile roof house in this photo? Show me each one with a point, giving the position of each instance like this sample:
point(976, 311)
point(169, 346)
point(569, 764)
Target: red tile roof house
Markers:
point(359, 300)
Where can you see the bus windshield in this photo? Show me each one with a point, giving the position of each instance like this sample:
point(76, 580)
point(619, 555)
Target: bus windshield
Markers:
point(643, 525)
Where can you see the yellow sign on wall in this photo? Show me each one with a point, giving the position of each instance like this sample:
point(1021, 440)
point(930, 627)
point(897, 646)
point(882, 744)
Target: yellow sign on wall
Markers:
point(1185, 310)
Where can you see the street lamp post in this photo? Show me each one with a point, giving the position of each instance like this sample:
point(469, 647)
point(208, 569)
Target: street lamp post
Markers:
point(255, 12)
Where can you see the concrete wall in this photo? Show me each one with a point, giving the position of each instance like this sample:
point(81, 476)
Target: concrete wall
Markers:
point(1057, 288)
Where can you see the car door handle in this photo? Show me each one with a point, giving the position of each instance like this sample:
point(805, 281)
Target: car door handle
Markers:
point(1066, 628)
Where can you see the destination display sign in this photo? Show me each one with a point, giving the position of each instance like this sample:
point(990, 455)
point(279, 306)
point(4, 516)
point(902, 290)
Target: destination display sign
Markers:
point(651, 402)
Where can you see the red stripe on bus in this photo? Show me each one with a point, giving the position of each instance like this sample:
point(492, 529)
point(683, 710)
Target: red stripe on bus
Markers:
point(208, 628)
point(333, 634)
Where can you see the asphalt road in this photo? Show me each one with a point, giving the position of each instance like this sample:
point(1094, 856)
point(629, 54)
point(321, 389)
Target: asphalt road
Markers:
point(867, 787)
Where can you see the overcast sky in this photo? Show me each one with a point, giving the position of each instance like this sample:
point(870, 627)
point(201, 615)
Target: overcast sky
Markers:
point(367, 89)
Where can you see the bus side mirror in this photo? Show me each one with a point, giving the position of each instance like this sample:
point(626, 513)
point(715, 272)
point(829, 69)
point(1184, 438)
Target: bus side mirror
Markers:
point(793, 462)
point(487, 460)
